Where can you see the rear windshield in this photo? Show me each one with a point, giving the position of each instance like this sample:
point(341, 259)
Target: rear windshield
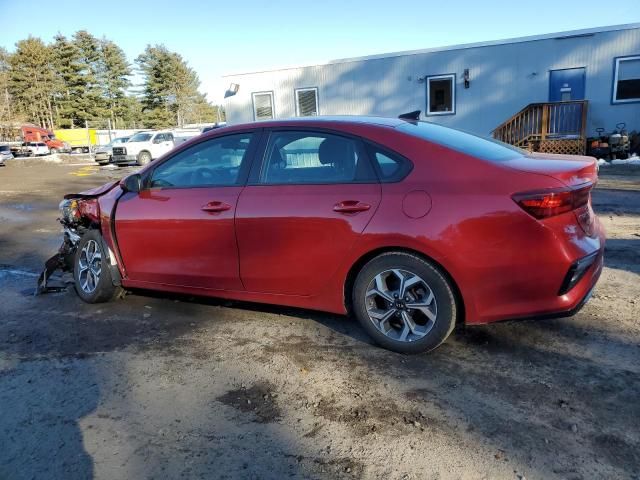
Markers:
point(481, 147)
point(4, 148)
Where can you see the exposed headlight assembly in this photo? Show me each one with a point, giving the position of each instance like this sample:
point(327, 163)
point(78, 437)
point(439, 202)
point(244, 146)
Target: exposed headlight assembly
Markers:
point(70, 211)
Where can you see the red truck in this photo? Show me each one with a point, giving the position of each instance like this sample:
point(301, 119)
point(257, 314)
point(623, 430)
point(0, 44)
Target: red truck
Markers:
point(32, 133)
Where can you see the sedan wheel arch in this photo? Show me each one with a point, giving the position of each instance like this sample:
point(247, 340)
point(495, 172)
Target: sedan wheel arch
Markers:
point(364, 259)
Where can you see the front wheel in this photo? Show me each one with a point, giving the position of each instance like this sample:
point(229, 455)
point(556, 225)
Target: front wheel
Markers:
point(91, 272)
point(144, 158)
point(404, 302)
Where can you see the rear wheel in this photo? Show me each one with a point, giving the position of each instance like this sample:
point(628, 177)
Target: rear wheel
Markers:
point(91, 272)
point(144, 158)
point(404, 302)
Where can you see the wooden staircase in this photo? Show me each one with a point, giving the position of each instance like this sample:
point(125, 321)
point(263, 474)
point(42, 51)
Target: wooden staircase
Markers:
point(551, 127)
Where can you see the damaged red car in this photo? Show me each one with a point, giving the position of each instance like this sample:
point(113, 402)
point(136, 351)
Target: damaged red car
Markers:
point(410, 226)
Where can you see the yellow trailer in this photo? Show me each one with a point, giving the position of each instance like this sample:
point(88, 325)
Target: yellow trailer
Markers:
point(79, 139)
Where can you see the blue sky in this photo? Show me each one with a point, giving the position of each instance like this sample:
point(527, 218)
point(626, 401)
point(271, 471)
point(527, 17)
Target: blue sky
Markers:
point(218, 37)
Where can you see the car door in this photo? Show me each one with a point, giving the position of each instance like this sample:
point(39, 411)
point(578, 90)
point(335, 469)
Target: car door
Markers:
point(306, 204)
point(179, 230)
point(169, 142)
point(157, 145)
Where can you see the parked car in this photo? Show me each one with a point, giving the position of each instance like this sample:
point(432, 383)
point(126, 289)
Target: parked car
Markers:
point(5, 154)
point(143, 147)
point(103, 153)
point(35, 149)
point(412, 227)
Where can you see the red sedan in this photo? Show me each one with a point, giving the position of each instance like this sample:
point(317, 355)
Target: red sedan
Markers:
point(410, 226)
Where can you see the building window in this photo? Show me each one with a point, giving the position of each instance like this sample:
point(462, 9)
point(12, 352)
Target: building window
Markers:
point(626, 80)
point(263, 105)
point(307, 102)
point(441, 95)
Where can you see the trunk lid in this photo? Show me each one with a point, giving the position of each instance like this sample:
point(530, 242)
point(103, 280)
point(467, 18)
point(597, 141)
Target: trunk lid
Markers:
point(578, 174)
point(571, 170)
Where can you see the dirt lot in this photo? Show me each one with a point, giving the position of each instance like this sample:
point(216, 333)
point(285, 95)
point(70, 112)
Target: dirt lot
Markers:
point(157, 386)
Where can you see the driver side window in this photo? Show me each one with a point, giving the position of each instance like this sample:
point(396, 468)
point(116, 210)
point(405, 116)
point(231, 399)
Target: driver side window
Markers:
point(213, 163)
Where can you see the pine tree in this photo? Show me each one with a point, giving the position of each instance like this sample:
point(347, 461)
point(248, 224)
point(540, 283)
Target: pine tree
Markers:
point(170, 95)
point(90, 104)
point(6, 107)
point(71, 82)
point(113, 75)
point(32, 81)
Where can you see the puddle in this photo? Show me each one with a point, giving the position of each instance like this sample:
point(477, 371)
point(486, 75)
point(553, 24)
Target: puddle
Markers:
point(7, 270)
point(15, 212)
point(7, 215)
point(25, 207)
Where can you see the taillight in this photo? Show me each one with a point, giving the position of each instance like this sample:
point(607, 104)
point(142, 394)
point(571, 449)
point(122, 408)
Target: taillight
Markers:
point(90, 209)
point(548, 203)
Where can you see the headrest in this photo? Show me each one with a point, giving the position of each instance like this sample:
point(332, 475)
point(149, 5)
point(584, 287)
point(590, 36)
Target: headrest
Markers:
point(334, 150)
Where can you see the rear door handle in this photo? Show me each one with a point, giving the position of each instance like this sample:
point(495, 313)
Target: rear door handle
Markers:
point(216, 207)
point(351, 206)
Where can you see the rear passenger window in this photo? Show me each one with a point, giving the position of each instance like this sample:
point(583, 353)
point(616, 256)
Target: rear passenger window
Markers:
point(391, 167)
point(314, 158)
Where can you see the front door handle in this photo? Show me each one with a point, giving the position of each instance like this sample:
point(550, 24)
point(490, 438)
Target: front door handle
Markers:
point(351, 206)
point(216, 207)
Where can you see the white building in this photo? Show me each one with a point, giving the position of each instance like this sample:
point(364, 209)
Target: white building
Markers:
point(475, 87)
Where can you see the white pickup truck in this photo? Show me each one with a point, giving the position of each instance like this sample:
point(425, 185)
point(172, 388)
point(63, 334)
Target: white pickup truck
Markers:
point(143, 147)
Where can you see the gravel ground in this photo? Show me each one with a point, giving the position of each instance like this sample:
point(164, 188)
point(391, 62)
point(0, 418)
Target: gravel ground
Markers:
point(161, 386)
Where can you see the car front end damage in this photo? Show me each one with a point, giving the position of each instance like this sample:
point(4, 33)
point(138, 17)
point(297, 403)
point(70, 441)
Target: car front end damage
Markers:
point(79, 213)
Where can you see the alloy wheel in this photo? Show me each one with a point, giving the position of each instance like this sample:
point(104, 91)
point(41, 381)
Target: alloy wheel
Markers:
point(89, 266)
point(401, 305)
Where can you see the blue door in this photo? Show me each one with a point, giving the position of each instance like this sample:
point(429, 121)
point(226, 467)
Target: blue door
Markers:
point(567, 84)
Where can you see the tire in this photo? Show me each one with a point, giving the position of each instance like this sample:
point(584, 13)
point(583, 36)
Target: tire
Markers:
point(144, 158)
point(416, 322)
point(88, 289)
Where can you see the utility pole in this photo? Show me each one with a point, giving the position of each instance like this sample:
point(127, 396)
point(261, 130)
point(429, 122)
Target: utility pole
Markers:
point(86, 126)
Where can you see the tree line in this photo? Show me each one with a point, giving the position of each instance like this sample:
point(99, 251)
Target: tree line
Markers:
point(72, 81)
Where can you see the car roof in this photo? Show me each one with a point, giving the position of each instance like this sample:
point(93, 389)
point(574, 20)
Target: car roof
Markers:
point(321, 121)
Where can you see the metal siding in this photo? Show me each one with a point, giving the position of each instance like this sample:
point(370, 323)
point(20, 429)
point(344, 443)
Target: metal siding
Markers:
point(504, 79)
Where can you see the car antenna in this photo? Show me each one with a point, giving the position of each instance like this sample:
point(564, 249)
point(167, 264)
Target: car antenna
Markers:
point(415, 115)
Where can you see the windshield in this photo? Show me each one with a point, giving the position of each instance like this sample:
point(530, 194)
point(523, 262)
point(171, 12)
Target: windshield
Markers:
point(474, 145)
point(141, 137)
point(4, 148)
point(116, 141)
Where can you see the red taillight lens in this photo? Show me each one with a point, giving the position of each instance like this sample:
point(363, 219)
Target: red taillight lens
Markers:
point(89, 209)
point(547, 203)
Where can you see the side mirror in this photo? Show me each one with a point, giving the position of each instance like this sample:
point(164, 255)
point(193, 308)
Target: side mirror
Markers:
point(133, 183)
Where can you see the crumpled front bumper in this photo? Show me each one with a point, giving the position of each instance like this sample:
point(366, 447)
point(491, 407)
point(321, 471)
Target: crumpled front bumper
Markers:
point(62, 260)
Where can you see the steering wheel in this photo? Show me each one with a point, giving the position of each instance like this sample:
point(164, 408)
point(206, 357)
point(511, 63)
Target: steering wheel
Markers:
point(158, 182)
point(204, 175)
